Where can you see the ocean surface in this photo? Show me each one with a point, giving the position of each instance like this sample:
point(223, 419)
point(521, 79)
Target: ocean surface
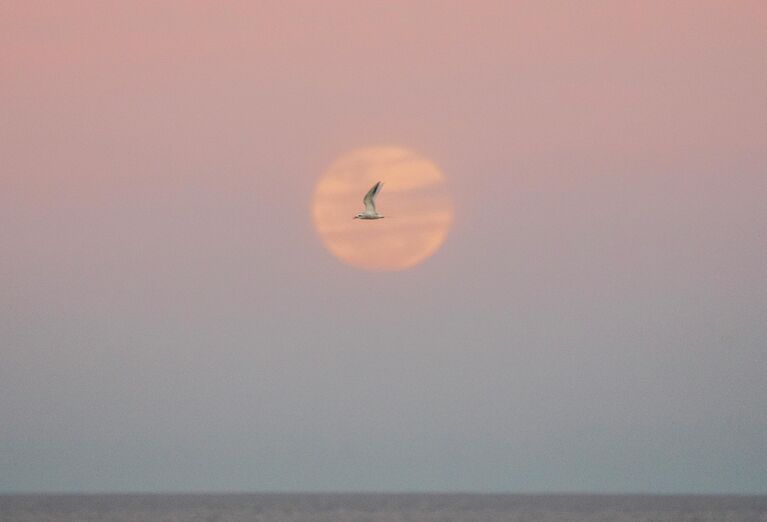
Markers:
point(381, 507)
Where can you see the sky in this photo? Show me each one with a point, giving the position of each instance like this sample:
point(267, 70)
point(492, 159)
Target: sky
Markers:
point(595, 321)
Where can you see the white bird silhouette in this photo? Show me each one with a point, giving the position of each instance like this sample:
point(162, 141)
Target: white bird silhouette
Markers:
point(370, 204)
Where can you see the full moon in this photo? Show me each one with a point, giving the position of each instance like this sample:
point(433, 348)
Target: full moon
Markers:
point(414, 200)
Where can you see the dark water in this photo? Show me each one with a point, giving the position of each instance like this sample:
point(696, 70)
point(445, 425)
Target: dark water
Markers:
point(381, 507)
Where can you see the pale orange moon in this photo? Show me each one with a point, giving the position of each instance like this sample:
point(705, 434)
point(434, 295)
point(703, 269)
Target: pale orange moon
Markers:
point(414, 200)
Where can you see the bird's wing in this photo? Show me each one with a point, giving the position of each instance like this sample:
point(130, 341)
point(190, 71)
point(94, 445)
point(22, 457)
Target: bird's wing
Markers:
point(370, 198)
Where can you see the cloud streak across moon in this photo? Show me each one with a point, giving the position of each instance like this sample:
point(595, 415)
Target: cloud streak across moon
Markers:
point(414, 200)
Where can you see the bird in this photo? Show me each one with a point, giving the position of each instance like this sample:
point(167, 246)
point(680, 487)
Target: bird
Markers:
point(370, 204)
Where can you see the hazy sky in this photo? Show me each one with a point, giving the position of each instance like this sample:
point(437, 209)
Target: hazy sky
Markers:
point(595, 321)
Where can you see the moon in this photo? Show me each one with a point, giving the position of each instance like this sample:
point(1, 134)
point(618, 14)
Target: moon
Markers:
point(414, 200)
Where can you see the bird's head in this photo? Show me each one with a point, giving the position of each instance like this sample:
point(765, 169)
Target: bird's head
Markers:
point(358, 216)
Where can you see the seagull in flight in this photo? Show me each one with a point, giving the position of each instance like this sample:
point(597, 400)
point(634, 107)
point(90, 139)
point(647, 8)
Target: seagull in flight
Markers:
point(370, 204)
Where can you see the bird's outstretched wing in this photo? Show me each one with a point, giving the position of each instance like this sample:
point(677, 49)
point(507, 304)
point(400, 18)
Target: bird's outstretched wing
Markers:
point(370, 198)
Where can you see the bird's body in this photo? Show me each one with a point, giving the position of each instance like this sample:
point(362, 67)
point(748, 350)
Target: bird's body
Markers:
point(370, 204)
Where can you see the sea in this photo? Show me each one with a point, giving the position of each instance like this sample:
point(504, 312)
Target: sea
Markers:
point(363, 507)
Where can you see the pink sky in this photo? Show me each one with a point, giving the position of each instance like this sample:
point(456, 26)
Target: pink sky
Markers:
point(605, 274)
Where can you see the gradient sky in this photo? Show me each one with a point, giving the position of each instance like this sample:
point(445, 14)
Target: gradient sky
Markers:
point(595, 321)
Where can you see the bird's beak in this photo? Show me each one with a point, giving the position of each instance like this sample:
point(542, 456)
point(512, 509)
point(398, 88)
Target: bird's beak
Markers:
point(356, 217)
